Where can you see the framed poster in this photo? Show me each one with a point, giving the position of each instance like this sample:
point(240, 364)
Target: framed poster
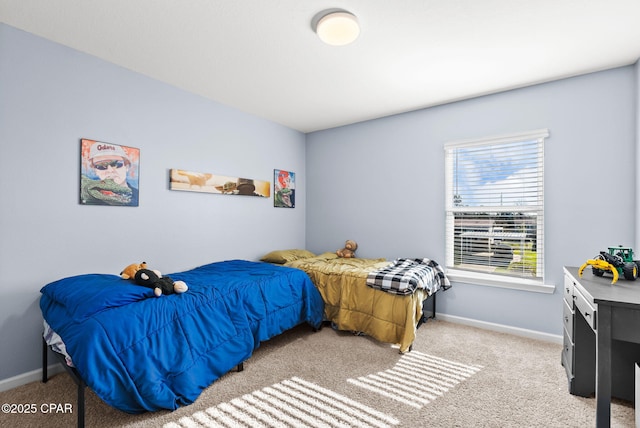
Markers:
point(109, 174)
point(192, 181)
point(284, 189)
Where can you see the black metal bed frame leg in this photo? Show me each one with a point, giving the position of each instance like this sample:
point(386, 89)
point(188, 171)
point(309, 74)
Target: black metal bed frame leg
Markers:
point(74, 376)
point(434, 304)
point(81, 389)
point(45, 362)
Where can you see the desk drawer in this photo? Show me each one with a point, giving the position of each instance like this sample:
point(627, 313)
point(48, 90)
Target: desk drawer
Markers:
point(567, 354)
point(568, 288)
point(585, 308)
point(567, 317)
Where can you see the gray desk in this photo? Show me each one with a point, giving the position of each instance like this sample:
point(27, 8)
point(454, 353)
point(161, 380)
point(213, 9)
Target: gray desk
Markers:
point(612, 311)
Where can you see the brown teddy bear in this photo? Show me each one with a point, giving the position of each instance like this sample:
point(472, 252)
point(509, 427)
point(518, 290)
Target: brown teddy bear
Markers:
point(153, 279)
point(349, 250)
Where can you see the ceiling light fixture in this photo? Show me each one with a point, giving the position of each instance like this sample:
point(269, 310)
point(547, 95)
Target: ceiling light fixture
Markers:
point(337, 28)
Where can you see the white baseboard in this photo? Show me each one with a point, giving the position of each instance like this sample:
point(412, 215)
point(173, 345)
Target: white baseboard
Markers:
point(25, 378)
point(516, 331)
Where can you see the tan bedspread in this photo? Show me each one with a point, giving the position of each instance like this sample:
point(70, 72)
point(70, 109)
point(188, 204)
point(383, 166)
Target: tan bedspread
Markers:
point(353, 306)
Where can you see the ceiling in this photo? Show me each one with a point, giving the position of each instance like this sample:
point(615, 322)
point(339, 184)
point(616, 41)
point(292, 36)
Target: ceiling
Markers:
point(263, 57)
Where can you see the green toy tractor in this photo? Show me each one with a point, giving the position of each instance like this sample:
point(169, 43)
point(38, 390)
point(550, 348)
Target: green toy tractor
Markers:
point(618, 260)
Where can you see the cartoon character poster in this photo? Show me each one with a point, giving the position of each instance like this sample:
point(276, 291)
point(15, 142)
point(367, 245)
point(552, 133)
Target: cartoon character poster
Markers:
point(109, 174)
point(284, 189)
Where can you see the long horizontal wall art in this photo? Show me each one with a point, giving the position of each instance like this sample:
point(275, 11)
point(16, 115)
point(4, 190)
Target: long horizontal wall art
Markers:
point(210, 183)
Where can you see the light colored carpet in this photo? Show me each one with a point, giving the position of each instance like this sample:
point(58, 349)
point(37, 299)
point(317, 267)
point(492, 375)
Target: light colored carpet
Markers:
point(455, 376)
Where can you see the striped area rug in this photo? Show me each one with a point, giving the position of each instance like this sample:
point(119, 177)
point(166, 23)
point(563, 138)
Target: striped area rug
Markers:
point(290, 403)
point(417, 378)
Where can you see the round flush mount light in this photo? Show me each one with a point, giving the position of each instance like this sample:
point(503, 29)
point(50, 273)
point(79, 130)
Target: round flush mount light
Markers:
point(338, 28)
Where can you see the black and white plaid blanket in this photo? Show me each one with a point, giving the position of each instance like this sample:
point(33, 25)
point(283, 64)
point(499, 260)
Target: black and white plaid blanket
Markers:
point(405, 276)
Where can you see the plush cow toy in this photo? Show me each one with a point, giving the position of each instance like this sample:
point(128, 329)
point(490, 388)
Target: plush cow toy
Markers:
point(153, 279)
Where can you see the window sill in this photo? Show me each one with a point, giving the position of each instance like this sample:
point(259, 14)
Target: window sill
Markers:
point(535, 286)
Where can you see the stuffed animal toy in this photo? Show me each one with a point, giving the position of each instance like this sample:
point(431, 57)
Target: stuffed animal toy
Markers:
point(349, 250)
point(130, 271)
point(153, 279)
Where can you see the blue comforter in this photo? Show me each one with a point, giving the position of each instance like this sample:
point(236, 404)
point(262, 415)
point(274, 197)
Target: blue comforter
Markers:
point(139, 352)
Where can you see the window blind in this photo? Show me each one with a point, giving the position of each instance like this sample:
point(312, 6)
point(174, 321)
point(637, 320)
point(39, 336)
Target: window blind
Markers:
point(495, 205)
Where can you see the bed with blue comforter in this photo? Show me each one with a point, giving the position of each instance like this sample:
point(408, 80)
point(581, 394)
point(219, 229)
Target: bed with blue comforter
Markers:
point(140, 353)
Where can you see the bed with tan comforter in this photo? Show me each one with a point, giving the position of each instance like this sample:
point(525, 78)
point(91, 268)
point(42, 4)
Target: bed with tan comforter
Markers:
point(352, 305)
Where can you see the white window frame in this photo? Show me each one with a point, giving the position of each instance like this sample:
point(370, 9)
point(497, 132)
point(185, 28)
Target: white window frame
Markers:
point(488, 279)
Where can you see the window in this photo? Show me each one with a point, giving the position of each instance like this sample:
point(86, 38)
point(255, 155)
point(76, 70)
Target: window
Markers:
point(495, 210)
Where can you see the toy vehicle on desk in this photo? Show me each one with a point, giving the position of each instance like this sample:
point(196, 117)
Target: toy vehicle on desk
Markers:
point(618, 261)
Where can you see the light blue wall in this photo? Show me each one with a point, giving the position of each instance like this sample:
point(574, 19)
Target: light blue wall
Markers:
point(50, 97)
point(381, 183)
